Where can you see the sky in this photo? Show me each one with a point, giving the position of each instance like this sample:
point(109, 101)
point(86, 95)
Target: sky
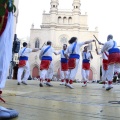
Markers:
point(103, 14)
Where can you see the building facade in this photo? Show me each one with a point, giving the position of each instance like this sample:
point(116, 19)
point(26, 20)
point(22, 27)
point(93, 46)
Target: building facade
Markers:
point(59, 26)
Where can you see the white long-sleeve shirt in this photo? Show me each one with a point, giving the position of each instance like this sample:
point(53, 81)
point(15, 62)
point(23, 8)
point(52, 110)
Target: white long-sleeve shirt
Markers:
point(108, 45)
point(49, 52)
point(61, 53)
point(25, 53)
point(77, 48)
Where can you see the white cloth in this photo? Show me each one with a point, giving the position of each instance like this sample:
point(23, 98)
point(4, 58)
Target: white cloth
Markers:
point(61, 53)
point(6, 40)
point(88, 55)
point(26, 68)
point(25, 53)
point(104, 74)
point(64, 75)
point(72, 72)
point(49, 52)
point(77, 48)
point(85, 75)
point(108, 45)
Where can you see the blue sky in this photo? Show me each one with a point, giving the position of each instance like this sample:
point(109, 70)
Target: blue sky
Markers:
point(103, 14)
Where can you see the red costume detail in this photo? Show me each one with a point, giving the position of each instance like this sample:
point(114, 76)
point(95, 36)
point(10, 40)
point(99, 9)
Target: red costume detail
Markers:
point(44, 64)
point(86, 66)
point(22, 63)
point(64, 66)
point(114, 58)
point(105, 64)
point(72, 63)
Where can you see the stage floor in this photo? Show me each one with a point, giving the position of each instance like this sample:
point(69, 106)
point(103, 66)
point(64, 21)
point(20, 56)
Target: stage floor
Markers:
point(61, 103)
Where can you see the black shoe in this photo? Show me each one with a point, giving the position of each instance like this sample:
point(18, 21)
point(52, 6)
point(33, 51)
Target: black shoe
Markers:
point(24, 83)
point(41, 85)
point(18, 83)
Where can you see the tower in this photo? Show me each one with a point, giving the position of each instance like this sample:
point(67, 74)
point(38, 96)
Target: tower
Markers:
point(76, 6)
point(54, 6)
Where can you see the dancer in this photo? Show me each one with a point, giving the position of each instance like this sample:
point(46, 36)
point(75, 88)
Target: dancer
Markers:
point(113, 59)
point(46, 65)
point(64, 66)
point(86, 65)
point(24, 64)
point(74, 57)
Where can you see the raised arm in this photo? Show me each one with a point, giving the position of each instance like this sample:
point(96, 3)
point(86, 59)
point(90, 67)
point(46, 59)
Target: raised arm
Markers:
point(89, 41)
point(36, 49)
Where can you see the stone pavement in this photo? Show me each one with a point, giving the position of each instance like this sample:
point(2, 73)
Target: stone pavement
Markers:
point(61, 103)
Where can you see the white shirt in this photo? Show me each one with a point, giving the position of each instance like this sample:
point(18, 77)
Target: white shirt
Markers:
point(25, 53)
point(108, 45)
point(77, 48)
point(104, 54)
point(49, 52)
point(61, 53)
point(88, 55)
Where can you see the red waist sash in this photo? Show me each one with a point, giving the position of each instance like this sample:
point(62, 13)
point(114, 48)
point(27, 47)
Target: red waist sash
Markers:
point(114, 58)
point(105, 64)
point(72, 63)
point(64, 66)
point(86, 66)
point(22, 63)
point(44, 65)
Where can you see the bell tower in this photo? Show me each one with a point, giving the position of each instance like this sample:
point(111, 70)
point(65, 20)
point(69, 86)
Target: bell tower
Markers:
point(76, 6)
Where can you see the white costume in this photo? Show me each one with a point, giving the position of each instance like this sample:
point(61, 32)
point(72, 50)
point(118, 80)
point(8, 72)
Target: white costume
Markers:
point(63, 73)
point(113, 60)
point(76, 52)
point(86, 56)
point(26, 68)
point(46, 73)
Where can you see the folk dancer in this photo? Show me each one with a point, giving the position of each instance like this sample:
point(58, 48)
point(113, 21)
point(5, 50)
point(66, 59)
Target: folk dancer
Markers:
point(64, 66)
point(24, 64)
point(105, 56)
point(113, 59)
point(46, 65)
point(86, 65)
point(74, 57)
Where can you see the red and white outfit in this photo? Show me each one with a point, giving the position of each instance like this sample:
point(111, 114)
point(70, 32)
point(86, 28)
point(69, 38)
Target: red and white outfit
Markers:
point(46, 65)
point(85, 66)
point(64, 67)
point(74, 57)
point(23, 64)
point(113, 59)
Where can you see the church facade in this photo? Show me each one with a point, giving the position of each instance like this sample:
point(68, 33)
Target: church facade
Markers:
point(59, 26)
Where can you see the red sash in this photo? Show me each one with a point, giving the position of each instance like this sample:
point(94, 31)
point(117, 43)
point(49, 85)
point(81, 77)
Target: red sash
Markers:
point(114, 58)
point(44, 65)
point(86, 66)
point(105, 64)
point(72, 63)
point(64, 66)
point(22, 63)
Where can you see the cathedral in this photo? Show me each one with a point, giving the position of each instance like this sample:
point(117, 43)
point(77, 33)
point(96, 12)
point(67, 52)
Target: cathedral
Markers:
point(59, 26)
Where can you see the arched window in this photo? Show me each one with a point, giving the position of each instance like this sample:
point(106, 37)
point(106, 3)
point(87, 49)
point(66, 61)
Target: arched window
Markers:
point(37, 44)
point(59, 19)
point(64, 20)
point(70, 20)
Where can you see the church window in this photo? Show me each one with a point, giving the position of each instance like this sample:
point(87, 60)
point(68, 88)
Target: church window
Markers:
point(53, 5)
point(64, 20)
point(70, 20)
point(59, 19)
point(37, 44)
point(76, 6)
